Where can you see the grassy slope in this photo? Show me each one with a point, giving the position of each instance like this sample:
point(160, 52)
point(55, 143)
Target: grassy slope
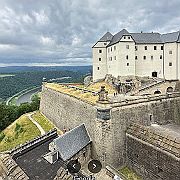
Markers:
point(14, 136)
point(44, 122)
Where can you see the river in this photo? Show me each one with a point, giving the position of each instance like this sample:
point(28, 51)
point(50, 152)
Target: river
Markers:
point(27, 96)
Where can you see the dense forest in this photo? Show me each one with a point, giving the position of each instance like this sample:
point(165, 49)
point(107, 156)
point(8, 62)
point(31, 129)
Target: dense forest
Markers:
point(22, 80)
point(16, 79)
point(9, 114)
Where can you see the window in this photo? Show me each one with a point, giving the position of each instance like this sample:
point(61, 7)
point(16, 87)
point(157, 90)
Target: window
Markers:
point(97, 68)
point(136, 48)
point(162, 48)
point(170, 52)
point(105, 44)
point(154, 74)
point(124, 37)
point(111, 48)
point(127, 64)
point(129, 37)
point(99, 59)
point(114, 57)
point(100, 51)
point(155, 47)
point(151, 57)
point(150, 117)
point(114, 48)
point(144, 57)
point(108, 50)
point(170, 63)
point(127, 57)
point(136, 57)
point(160, 57)
point(145, 47)
point(127, 46)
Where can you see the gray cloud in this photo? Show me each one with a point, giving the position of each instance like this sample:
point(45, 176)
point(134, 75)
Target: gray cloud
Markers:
point(63, 31)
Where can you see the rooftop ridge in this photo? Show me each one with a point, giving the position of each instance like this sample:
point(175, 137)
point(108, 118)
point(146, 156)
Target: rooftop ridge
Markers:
point(72, 142)
point(143, 37)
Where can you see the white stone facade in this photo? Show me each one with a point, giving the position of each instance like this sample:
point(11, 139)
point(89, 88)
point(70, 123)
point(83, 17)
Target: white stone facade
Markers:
point(137, 54)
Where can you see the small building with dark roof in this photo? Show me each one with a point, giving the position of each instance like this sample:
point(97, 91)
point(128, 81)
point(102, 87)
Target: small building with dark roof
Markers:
point(72, 142)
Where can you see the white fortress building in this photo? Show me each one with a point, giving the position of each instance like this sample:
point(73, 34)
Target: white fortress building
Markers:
point(137, 54)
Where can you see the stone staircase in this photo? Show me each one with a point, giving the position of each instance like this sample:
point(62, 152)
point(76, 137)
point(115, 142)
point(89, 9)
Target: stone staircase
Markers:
point(156, 82)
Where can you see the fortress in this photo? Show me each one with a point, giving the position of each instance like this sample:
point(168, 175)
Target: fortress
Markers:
point(140, 129)
point(131, 119)
point(122, 132)
point(137, 54)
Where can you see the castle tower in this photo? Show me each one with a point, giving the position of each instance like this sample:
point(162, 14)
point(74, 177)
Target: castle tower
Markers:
point(100, 57)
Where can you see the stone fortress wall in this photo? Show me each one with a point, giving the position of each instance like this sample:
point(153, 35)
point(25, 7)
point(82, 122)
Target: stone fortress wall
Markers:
point(107, 123)
point(153, 151)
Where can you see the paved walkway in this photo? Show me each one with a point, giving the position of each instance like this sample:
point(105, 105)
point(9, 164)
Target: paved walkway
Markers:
point(36, 123)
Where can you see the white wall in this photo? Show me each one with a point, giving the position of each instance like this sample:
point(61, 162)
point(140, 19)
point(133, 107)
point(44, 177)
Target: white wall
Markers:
point(170, 71)
point(112, 60)
point(119, 66)
point(178, 62)
point(145, 67)
point(102, 65)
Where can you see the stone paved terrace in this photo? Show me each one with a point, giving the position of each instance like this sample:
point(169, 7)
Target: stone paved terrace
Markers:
point(167, 137)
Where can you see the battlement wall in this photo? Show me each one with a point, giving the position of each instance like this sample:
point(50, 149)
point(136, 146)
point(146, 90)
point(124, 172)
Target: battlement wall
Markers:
point(107, 123)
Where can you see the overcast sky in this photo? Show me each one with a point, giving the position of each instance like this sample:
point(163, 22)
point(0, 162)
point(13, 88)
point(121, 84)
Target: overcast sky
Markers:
point(62, 32)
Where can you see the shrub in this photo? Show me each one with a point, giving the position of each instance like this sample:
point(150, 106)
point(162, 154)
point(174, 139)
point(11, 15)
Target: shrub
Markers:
point(2, 136)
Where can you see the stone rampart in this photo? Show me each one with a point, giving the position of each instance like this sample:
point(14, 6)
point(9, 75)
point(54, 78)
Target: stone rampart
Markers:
point(107, 123)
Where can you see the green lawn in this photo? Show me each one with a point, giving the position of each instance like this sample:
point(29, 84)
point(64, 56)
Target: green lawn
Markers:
point(129, 174)
point(18, 132)
point(45, 123)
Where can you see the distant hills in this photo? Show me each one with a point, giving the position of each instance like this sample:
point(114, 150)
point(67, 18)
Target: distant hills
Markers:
point(15, 69)
point(17, 78)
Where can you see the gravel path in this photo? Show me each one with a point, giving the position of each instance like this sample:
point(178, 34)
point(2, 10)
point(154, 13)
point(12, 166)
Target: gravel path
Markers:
point(35, 123)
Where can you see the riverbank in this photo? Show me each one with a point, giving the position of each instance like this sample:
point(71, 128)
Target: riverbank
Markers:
point(23, 96)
